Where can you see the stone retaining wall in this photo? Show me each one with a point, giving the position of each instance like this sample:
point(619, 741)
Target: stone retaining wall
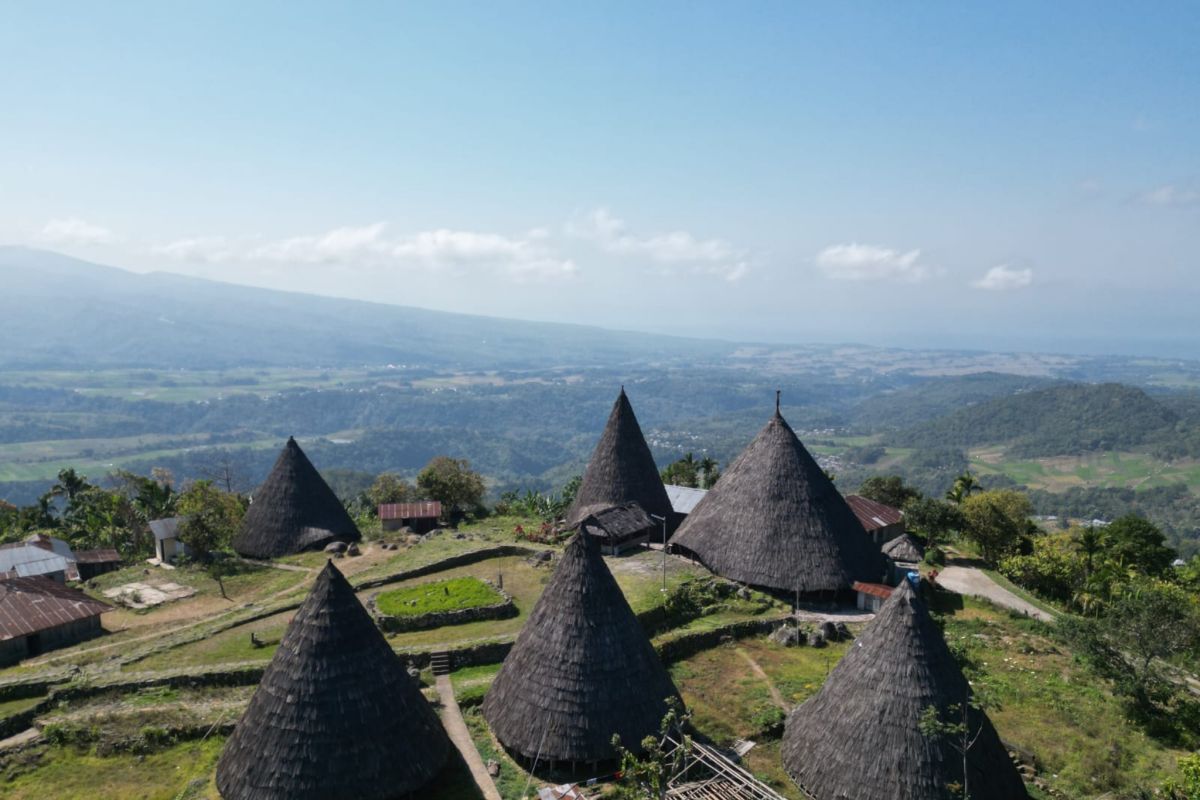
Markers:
point(436, 619)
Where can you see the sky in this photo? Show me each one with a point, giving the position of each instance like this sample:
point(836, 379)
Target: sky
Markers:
point(993, 176)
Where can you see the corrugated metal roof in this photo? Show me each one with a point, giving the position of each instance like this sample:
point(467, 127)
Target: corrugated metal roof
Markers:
point(53, 544)
point(684, 498)
point(872, 515)
point(165, 528)
point(29, 605)
point(27, 560)
point(875, 589)
point(422, 509)
point(102, 556)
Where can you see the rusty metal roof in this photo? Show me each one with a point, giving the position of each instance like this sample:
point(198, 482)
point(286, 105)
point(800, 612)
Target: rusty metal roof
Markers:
point(103, 556)
point(872, 515)
point(875, 589)
point(422, 509)
point(29, 605)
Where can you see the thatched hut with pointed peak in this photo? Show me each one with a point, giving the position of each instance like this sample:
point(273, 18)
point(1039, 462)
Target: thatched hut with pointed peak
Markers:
point(775, 520)
point(581, 670)
point(621, 470)
point(335, 716)
point(293, 510)
point(860, 735)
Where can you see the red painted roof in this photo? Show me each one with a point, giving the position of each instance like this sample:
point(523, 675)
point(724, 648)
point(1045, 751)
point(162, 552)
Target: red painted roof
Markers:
point(29, 605)
point(872, 515)
point(876, 589)
point(420, 510)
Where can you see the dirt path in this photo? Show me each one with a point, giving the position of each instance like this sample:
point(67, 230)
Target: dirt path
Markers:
point(976, 583)
point(776, 695)
point(457, 728)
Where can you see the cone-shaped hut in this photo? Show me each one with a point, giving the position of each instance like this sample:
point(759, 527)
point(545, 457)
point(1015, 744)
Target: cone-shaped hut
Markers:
point(621, 470)
point(581, 670)
point(775, 520)
point(293, 510)
point(860, 735)
point(335, 716)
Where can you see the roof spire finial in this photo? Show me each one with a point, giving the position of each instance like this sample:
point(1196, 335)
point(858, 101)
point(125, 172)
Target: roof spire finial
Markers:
point(778, 393)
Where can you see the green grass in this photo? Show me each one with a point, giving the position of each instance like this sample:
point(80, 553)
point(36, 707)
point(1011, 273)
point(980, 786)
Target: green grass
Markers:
point(1121, 469)
point(182, 772)
point(451, 594)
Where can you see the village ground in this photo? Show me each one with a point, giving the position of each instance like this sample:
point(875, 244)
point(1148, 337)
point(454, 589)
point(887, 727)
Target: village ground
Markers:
point(107, 726)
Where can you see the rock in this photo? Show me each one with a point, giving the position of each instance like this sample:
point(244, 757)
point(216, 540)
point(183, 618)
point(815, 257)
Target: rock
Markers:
point(843, 632)
point(787, 636)
point(407, 529)
point(815, 639)
point(335, 547)
point(460, 536)
point(493, 767)
point(828, 631)
point(542, 556)
point(352, 549)
point(413, 672)
point(743, 593)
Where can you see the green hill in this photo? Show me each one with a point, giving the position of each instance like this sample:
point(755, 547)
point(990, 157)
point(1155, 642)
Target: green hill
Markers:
point(1059, 420)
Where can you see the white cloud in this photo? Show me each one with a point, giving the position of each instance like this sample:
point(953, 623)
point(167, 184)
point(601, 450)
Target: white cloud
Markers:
point(76, 231)
point(522, 258)
point(868, 262)
point(702, 256)
point(1170, 195)
point(1003, 278)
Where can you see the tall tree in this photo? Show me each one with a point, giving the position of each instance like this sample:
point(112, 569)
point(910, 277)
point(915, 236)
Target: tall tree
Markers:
point(211, 518)
point(451, 481)
point(891, 490)
point(996, 521)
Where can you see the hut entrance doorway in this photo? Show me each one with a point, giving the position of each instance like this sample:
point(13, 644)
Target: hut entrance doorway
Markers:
point(33, 644)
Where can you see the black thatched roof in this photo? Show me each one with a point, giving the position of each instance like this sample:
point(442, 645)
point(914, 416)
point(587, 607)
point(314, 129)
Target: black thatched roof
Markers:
point(774, 519)
point(293, 510)
point(581, 670)
point(859, 736)
point(904, 548)
point(618, 522)
point(335, 716)
point(621, 469)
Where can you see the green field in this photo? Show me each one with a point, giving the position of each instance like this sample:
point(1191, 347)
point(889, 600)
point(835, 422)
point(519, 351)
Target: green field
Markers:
point(1130, 470)
point(448, 595)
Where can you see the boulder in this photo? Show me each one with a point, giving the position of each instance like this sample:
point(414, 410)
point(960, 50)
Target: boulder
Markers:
point(787, 635)
point(829, 631)
point(815, 639)
point(335, 547)
point(843, 632)
point(493, 767)
point(352, 549)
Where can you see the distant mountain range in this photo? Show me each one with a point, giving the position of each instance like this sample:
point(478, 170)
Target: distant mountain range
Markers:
point(61, 313)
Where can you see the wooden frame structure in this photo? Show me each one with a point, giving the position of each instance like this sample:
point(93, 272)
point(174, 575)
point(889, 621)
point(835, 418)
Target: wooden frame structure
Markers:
point(706, 774)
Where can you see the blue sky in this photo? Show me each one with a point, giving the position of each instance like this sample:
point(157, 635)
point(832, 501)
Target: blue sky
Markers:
point(1013, 176)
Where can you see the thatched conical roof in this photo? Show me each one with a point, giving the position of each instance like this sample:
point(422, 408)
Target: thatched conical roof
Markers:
point(905, 548)
point(293, 510)
point(582, 669)
point(621, 469)
point(859, 736)
point(335, 716)
point(774, 519)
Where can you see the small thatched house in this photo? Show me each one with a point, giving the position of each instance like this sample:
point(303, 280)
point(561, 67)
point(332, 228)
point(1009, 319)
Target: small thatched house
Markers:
point(38, 614)
point(775, 520)
point(881, 522)
point(621, 470)
point(904, 550)
point(336, 716)
point(582, 669)
point(293, 510)
point(620, 527)
point(860, 736)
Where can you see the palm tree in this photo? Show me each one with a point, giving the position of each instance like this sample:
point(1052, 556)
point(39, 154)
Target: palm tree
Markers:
point(1089, 543)
point(963, 486)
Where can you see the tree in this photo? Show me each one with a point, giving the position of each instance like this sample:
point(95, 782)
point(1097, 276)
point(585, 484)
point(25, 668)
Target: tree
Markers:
point(452, 482)
point(996, 521)
point(684, 472)
point(964, 485)
point(390, 488)
point(1143, 629)
point(1136, 542)
point(711, 470)
point(954, 728)
point(211, 518)
point(891, 490)
point(933, 519)
point(649, 775)
point(1187, 785)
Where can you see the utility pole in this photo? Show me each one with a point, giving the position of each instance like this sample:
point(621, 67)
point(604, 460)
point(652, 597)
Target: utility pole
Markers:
point(663, 520)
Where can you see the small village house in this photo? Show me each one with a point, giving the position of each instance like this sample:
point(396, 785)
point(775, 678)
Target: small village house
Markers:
point(421, 516)
point(683, 500)
point(167, 544)
point(620, 528)
point(25, 560)
point(871, 596)
point(881, 522)
point(82, 565)
point(39, 614)
point(904, 555)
